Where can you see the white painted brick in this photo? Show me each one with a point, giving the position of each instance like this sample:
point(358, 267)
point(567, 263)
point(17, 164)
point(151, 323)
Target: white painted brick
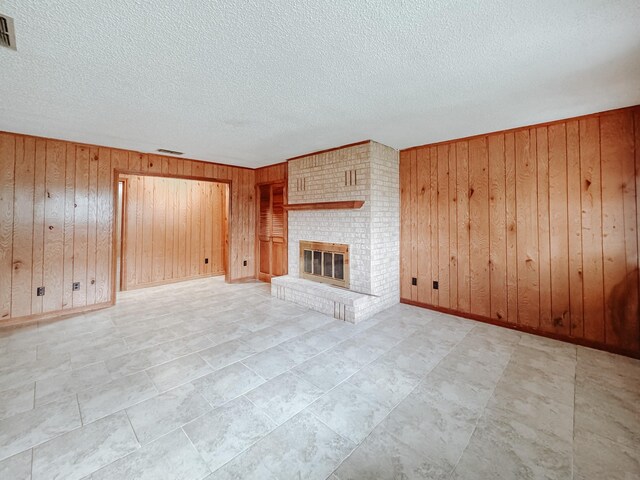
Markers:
point(372, 232)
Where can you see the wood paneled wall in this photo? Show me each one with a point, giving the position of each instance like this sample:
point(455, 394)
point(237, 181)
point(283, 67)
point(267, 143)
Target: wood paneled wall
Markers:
point(536, 228)
point(272, 173)
point(170, 227)
point(56, 220)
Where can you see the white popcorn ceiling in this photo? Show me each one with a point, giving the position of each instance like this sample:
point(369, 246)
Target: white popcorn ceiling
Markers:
point(253, 82)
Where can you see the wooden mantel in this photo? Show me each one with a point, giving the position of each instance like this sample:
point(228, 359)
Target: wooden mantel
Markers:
point(343, 205)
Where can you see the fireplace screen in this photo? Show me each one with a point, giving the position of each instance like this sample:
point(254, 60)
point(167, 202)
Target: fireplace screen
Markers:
point(325, 262)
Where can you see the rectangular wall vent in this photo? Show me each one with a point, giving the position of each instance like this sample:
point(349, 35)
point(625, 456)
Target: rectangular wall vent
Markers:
point(170, 152)
point(7, 32)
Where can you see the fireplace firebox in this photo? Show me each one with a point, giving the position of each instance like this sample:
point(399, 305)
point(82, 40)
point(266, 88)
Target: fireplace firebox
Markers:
point(325, 262)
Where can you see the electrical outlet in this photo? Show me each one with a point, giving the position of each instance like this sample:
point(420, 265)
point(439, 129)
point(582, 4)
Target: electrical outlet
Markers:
point(244, 264)
point(76, 286)
point(414, 281)
point(435, 285)
point(206, 260)
point(40, 291)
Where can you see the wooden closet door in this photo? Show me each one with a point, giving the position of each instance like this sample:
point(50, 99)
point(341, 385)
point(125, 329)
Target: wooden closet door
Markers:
point(272, 231)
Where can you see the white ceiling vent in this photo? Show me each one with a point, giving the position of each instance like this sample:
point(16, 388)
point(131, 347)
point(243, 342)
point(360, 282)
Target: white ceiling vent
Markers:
point(7, 32)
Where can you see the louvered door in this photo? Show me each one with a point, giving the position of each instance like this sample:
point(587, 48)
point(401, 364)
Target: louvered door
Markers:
point(272, 231)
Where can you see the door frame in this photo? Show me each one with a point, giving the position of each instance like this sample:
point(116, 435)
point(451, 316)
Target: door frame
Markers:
point(123, 238)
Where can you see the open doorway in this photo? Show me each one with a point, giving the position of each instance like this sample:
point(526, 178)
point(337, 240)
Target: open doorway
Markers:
point(170, 230)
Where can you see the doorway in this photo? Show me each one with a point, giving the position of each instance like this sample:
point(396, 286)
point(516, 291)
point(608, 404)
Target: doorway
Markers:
point(272, 231)
point(171, 229)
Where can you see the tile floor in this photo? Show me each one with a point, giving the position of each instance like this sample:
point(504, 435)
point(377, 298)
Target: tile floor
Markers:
point(207, 380)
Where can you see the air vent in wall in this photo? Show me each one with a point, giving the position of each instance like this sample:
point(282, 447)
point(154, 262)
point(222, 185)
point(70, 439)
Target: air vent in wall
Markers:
point(170, 152)
point(7, 32)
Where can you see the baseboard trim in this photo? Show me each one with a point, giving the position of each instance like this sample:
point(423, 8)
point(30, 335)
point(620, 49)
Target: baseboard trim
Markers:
point(526, 329)
point(53, 316)
point(244, 279)
point(173, 280)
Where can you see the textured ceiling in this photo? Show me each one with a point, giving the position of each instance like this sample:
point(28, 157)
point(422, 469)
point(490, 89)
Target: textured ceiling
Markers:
point(252, 82)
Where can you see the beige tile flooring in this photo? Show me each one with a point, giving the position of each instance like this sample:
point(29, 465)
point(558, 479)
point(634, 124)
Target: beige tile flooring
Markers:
point(207, 380)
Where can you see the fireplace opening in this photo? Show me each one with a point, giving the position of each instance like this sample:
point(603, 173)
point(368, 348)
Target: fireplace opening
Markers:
point(325, 262)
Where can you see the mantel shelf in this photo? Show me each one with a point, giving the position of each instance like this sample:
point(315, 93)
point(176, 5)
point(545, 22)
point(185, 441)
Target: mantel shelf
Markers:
point(344, 205)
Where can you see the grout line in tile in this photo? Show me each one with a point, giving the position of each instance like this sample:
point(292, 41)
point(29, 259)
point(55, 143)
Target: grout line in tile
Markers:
point(131, 425)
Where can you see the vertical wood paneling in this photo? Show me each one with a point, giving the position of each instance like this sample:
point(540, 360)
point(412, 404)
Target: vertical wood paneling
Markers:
point(205, 226)
point(130, 232)
point(479, 229)
point(414, 224)
point(592, 256)
point(70, 188)
point(422, 173)
point(462, 168)
point(443, 222)
point(182, 228)
point(165, 233)
point(69, 221)
point(270, 174)
point(169, 231)
point(511, 227)
point(7, 182)
point(104, 212)
point(196, 228)
point(540, 226)
point(405, 227)
point(574, 227)
point(147, 214)
point(23, 227)
point(617, 152)
point(453, 237)
point(527, 218)
point(81, 226)
point(92, 238)
point(54, 225)
point(158, 232)
point(558, 230)
point(636, 123)
point(139, 208)
point(629, 321)
point(433, 225)
point(497, 229)
point(38, 224)
point(544, 247)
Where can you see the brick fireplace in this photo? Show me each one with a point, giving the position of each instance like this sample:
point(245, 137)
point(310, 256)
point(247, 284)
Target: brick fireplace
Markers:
point(366, 172)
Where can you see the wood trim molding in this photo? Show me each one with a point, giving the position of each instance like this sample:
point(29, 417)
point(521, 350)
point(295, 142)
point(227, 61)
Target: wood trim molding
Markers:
point(523, 328)
point(343, 205)
point(176, 280)
point(53, 316)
